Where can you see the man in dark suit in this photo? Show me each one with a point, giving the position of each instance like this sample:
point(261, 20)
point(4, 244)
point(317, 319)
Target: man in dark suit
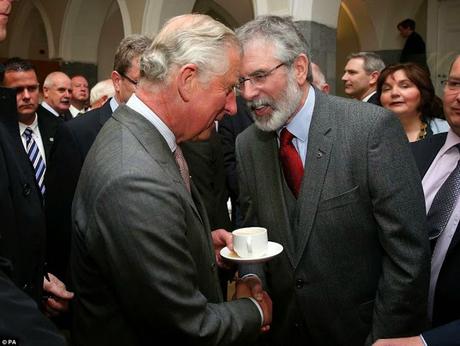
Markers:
point(21, 234)
point(57, 91)
point(143, 259)
point(414, 49)
point(437, 158)
point(36, 134)
point(73, 141)
point(361, 74)
point(333, 181)
point(21, 75)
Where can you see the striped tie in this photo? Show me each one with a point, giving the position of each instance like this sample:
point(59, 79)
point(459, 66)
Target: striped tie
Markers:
point(35, 158)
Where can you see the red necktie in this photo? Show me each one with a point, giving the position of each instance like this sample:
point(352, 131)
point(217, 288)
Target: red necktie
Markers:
point(291, 162)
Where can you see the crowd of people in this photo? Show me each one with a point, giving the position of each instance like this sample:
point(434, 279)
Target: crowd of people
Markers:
point(114, 207)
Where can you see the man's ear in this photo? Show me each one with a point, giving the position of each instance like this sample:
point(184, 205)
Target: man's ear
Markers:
point(116, 80)
point(187, 79)
point(300, 65)
point(45, 92)
point(374, 76)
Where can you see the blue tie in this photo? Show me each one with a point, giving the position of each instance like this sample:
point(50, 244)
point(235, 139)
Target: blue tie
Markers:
point(35, 158)
point(444, 203)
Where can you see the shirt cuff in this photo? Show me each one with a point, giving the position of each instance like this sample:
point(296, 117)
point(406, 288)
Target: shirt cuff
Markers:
point(423, 340)
point(260, 311)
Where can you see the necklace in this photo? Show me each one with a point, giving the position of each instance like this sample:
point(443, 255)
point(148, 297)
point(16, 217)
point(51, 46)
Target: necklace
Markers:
point(422, 133)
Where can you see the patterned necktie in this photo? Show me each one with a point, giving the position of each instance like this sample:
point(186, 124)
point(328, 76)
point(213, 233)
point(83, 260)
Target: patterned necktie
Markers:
point(35, 158)
point(291, 162)
point(444, 203)
point(183, 167)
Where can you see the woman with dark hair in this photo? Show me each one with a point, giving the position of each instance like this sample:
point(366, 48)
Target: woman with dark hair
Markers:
point(407, 90)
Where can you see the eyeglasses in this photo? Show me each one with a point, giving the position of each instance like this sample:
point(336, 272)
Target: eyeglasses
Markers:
point(452, 84)
point(128, 78)
point(29, 88)
point(257, 79)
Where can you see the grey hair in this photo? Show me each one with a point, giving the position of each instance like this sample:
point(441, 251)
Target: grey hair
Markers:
point(102, 88)
point(372, 61)
point(50, 80)
point(189, 39)
point(280, 31)
point(130, 47)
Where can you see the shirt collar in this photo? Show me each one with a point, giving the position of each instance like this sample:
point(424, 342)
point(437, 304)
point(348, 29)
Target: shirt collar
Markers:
point(452, 140)
point(33, 126)
point(136, 104)
point(49, 108)
point(369, 96)
point(113, 104)
point(299, 126)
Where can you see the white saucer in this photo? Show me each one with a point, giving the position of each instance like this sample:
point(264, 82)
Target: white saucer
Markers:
point(273, 250)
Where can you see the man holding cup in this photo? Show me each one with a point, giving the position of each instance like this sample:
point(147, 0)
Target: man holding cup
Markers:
point(334, 182)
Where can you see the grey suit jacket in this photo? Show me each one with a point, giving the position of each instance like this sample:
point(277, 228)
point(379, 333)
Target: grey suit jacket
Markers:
point(142, 261)
point(356, 262)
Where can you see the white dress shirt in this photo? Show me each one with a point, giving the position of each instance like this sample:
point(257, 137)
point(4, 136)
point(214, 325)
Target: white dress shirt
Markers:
point(36, 136)
point(49, 108)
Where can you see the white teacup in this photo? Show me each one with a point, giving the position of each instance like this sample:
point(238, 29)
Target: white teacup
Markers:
point(250, 241)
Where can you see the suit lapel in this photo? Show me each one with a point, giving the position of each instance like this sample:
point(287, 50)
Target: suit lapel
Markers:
point(320, 141)
point(47, 130)
point(154, 143)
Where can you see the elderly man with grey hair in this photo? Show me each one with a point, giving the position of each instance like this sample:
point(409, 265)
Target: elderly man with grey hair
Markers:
point(361, 74)
point(144, 260)
point(334, 182)
point(101, 92)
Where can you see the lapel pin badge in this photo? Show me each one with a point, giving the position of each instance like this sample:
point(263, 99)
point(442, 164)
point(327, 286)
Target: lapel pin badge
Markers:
point(319, 154)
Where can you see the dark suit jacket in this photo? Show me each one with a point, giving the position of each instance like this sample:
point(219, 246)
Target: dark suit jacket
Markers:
point(229, 128)
point(446, 307)
point(72, 142)
point(374, 100)
point(446, 335)
point(20, 320)
point(48, 124)
point(142, 260)
point(414, 50)
point(355, 265)
point(22, 231)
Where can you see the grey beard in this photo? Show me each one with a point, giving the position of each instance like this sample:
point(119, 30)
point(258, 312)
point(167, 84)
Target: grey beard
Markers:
point(283, 109)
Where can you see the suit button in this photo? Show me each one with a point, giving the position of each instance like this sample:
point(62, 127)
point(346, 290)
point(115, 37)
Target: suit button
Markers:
point(26, 190)
point(213, 267)
point(299, 283)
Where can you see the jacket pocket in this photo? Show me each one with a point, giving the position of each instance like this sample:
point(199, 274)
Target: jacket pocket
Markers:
point(344, 198)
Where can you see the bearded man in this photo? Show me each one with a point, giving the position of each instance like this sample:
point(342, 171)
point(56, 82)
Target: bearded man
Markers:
point(334, 182)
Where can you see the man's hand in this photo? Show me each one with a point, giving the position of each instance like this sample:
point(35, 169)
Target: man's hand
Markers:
point(59, 297)
point(251, 286)
point(410, 341)
point(220, 239)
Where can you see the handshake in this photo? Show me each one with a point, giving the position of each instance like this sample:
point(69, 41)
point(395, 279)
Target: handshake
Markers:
point(250, 286)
